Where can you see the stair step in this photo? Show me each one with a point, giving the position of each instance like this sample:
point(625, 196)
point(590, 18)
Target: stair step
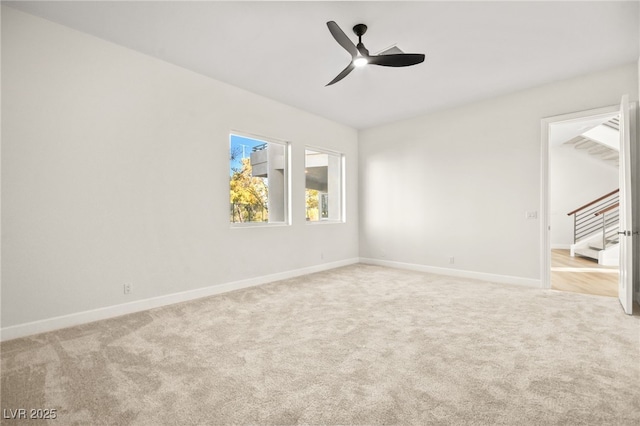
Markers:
point(588, 252)
point(609, 242)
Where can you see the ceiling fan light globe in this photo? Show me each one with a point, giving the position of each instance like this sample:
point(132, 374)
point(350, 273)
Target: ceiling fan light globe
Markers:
point(360, 61)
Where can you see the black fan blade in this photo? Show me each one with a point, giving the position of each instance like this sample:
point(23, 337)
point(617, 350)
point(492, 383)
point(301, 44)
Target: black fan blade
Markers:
point(342, 38)
point(397, 60)
point(342, 74)
point(364, 52)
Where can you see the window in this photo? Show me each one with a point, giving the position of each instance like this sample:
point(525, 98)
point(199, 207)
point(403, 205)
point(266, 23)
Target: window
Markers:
point(258, 180)
point(323, 185)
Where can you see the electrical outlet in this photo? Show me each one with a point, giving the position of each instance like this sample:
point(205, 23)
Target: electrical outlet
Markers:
point(451, 259)
point(321, 255)
point(128, 288)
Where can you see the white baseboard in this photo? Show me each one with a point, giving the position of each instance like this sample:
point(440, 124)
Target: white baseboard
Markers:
point(506, 279)
point(561, 246)
point(50, 324)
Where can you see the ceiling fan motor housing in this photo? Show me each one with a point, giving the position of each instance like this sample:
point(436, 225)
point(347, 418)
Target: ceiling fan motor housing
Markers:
point(360, 29)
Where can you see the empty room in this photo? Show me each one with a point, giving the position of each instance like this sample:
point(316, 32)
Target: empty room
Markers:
point(314, 212)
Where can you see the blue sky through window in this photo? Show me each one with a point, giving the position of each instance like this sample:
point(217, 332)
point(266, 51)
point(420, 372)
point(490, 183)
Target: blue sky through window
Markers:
point(243, 147)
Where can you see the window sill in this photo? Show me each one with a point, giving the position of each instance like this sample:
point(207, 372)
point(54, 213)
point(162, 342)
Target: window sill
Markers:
point(258, 225)
point(324, 222)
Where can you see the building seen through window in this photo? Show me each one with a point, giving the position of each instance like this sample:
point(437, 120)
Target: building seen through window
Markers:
point(323, 185)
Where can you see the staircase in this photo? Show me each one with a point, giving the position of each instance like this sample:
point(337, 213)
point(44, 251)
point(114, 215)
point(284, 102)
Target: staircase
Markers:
point(600, 141)
point(595, 229)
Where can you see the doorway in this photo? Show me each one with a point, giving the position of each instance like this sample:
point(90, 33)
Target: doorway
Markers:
point(581, 174)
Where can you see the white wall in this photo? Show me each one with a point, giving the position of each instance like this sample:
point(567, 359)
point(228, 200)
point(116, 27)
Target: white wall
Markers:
point(575, 179)
point(458, 183)
point(115, 170)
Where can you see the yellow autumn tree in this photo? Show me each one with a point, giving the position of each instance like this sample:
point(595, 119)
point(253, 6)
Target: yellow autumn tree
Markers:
point(311, 196)
point(248, 195)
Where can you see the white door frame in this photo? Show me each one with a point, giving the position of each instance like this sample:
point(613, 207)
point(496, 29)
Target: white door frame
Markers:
point(627, 166)
point(545, 238)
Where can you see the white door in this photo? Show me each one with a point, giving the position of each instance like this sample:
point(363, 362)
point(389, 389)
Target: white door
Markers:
point(625, 285)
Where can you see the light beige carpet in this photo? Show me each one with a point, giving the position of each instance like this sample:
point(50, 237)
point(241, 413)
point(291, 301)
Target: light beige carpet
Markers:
point(355, 345)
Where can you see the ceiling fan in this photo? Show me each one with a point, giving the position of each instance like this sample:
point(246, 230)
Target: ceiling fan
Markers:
point(360, 54)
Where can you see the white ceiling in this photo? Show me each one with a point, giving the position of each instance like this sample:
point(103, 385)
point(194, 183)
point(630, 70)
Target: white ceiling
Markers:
point(283, 50)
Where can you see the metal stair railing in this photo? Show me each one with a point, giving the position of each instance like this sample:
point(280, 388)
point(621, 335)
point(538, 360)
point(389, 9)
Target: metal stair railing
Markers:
point(598, 216)
point(610, 219)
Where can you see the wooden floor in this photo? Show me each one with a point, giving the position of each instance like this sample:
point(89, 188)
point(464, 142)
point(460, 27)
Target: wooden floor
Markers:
point(582, 275)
